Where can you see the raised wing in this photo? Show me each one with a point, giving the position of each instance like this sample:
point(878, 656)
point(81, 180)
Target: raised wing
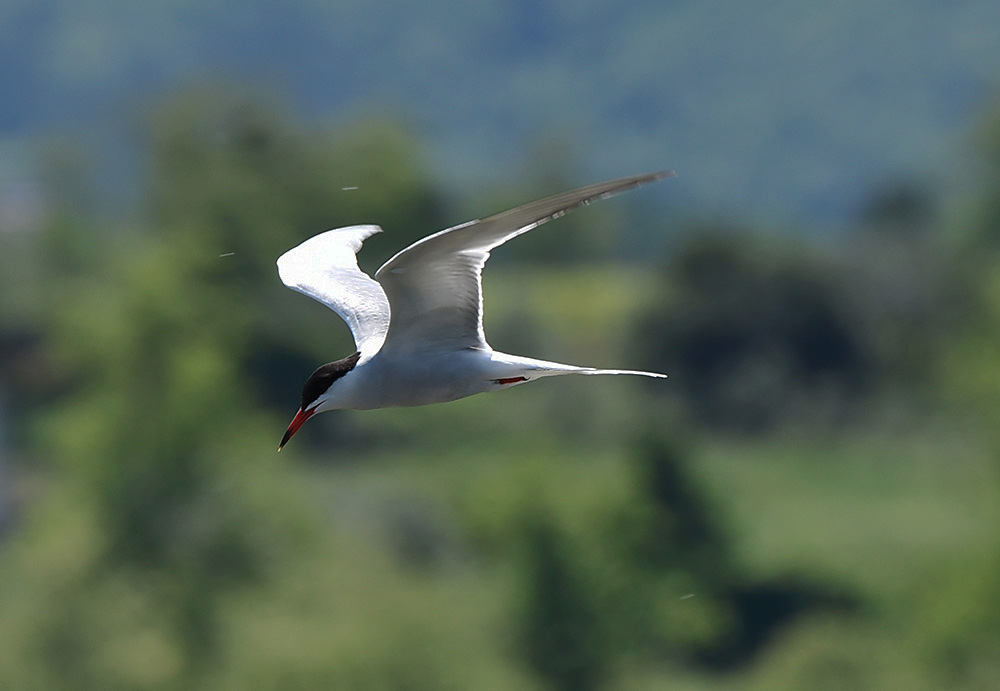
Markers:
point(434, 285)
point(325, 268)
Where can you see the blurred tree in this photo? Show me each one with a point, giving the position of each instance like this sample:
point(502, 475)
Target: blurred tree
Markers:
point(910, 288)
point(678, 529)
point(757, 333)
point(903, 209)
point(141, 441)
point(982, 224)
point(709, 611)
point(973, 372)
point(163, 342)
point(964, 621)
point(37, 268)
point(562, 632)
point(749, 334)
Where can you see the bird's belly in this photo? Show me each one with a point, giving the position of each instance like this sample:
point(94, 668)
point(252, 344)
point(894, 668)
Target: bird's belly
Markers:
point(416, 381)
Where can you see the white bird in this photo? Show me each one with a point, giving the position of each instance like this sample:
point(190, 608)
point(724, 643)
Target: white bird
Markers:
point(418, 326)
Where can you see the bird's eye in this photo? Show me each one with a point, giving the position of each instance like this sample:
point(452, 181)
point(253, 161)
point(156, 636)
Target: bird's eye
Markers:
point(320, 381)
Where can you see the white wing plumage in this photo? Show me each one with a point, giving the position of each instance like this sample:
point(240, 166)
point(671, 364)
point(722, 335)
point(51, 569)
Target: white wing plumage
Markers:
point(435, 286)
point(325, 268)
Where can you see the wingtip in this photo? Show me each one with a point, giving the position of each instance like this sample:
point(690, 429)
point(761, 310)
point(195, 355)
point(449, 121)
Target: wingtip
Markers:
point(643, 179)
point(658, 175)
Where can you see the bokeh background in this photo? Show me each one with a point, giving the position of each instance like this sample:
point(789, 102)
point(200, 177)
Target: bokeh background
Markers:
point(811, 501)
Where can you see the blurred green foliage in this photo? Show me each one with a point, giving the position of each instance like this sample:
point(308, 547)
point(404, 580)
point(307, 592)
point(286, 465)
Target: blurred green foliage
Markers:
point(760, 331)
point(810, 501)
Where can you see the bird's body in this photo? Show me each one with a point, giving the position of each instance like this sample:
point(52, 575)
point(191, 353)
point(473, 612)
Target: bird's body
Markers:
point(418, 325)
point(412, 379)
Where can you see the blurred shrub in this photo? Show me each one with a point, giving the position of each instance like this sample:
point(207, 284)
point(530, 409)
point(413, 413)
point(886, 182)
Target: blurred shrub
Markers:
point(678, 526)
point(563, 635)
point(649, 577)
point(980, 228)
point(678, 536)
point(757, 334)
point(751, 333)
point(162, 344)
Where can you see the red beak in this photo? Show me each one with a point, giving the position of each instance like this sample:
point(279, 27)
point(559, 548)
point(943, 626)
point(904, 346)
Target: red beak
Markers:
point(299, 420)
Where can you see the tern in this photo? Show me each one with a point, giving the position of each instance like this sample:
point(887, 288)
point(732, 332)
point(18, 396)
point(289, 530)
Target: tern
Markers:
point(418, 324)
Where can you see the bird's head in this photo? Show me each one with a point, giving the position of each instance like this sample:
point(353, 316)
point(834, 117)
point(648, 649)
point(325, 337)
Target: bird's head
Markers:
point(317, 393)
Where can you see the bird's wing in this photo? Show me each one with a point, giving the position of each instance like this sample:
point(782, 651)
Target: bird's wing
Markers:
point(434, 285)
point(325, 268)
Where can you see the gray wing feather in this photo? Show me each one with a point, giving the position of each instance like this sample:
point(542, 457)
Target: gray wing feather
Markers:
point(434, 286)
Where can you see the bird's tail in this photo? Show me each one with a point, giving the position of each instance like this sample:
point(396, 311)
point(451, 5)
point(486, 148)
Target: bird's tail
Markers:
point(641, 373)
point(529, 369)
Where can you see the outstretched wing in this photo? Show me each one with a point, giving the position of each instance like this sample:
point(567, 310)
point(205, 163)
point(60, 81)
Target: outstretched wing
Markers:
point(434, 285)
point(325, 268)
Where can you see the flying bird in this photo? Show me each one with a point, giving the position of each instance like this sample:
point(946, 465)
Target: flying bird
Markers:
point(418, 325)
